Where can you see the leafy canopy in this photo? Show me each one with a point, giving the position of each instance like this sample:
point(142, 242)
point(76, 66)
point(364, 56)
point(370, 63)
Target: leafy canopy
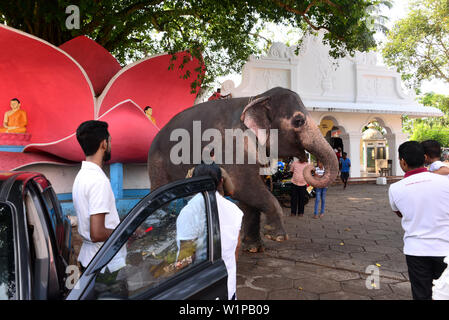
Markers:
point(431, 128)
point(418, 45)
point(224, 32)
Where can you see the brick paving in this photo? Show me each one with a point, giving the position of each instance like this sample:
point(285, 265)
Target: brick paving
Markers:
point(327, 258)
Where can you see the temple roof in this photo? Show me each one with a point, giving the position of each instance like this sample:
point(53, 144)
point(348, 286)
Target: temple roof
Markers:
point(350, 84)
point(412, 110)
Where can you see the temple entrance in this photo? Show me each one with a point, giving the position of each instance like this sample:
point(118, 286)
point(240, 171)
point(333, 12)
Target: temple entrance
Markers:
point(336, 142)
point(374, 150)
point(370, 159)
point(332, 132)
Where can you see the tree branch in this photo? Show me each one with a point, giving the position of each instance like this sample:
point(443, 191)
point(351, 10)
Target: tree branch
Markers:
point(303, 14)
point(443, 45)
point(259, 36)
point(310, 6)
point(441, 73)
point(97, 21)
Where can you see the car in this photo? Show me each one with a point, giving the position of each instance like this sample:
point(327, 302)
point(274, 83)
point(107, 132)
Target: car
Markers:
point(158, 264)
point(35, 238)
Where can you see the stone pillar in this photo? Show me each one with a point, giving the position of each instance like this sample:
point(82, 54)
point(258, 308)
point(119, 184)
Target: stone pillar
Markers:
point(351, 145)
point(394, 141)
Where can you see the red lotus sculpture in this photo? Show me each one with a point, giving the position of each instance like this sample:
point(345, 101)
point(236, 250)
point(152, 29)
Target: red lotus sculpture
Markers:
point(59, 88)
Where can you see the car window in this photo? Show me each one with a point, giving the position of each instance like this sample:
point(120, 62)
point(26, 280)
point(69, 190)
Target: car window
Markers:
point(39, 247)
point(7, 267)
point(50, 209)
point(172, 240)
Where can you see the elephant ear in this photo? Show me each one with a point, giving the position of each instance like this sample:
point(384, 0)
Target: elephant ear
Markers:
point(256, 116)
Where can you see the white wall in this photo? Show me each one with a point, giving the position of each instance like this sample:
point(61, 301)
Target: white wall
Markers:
point(135, 176)
point(61, 177)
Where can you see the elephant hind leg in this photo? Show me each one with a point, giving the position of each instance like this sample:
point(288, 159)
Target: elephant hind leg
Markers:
point(251, 241)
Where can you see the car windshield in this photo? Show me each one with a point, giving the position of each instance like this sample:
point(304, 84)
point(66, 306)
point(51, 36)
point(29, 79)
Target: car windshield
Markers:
point(7, 268)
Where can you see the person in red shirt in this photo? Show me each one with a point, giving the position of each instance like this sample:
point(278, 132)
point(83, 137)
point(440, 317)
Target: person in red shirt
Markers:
point(216, 95)
point(298, 193)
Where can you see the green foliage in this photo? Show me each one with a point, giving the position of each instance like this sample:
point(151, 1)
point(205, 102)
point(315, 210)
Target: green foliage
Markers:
point(224, 32)
point(377, 126)
point(418, 45)
point(423, 131)
point(430, 128)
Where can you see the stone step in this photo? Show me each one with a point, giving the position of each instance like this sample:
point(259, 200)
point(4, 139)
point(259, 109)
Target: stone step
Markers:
point(366, 180)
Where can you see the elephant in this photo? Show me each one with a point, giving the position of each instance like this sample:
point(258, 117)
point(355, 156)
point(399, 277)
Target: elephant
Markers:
point(277, 108)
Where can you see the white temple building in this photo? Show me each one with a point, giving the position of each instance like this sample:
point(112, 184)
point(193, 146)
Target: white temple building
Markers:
point(343, 96)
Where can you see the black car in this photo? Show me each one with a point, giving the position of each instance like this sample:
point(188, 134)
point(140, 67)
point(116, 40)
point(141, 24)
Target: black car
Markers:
point(154, 266)
point(35, 238)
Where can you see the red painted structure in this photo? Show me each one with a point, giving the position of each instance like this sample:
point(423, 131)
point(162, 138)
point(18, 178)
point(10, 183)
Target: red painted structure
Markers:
point(98, 63)
point(60, 87)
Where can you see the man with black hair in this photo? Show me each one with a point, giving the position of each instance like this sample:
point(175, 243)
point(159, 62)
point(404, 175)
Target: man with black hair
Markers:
point(93, 198)
point(345, 165)
point(432, 154)
point(421, 199)
point(230, 217)
point(227, 187)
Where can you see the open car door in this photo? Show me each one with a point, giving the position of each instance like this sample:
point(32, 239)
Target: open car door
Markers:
point(167, 247)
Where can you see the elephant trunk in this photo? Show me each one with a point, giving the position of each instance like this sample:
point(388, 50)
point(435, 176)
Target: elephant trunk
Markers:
point(314, 142)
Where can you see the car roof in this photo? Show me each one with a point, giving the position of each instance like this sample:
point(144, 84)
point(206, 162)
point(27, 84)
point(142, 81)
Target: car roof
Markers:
point(19, 175)
point(9, 177)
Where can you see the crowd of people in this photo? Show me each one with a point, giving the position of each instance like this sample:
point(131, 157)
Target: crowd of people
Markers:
point(299, 184)
point(420, 199)
point(94, 203)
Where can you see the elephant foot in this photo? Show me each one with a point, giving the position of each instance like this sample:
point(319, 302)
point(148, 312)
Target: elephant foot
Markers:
point(253, 246)
point(274, 234)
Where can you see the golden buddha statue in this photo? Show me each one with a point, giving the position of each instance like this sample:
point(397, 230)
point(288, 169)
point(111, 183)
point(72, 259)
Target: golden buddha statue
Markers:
point(15, 120)
point(149, 112)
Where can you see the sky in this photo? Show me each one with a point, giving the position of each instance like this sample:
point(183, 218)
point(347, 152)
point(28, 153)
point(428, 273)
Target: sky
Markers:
point(397, 12)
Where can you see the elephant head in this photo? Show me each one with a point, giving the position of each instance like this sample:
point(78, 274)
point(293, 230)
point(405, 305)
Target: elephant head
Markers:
point(282, 109)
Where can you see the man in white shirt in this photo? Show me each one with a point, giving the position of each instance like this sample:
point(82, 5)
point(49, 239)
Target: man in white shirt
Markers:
point(93, 198)
point(191, 232)
point(230, 218)
point(421, 199)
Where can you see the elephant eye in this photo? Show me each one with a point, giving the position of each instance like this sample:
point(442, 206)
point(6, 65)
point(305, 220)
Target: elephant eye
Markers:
point(298, 121)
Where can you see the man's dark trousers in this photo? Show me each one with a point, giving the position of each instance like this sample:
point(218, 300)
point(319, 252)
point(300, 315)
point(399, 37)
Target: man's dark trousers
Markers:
point(344, 177)
point(422, 271)
point(298, 199)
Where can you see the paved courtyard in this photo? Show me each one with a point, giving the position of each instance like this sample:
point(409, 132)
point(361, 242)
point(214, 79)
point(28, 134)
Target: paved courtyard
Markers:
point(327, 258)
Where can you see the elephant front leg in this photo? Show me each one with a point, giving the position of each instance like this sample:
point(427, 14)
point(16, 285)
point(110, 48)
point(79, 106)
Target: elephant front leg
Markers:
point(252, 242)
point(274, 228)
